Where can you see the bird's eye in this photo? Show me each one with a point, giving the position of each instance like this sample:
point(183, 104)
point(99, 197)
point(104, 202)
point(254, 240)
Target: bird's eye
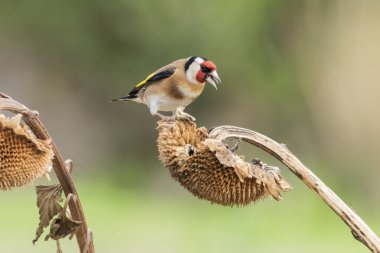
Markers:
point(205, 69)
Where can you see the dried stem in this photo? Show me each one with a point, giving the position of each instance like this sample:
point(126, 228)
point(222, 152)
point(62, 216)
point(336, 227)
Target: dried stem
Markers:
point(359, 228)
point(31, 119)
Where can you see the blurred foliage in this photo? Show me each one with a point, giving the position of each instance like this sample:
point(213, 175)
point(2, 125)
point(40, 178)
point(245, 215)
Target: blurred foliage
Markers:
point(303, 72)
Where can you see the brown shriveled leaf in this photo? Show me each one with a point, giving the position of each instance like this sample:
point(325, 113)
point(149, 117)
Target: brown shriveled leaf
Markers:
point(48, 198)
point(61, 227)
point(228, 158)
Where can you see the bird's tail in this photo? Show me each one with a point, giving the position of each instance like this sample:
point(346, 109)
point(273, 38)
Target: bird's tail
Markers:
point(126, 98)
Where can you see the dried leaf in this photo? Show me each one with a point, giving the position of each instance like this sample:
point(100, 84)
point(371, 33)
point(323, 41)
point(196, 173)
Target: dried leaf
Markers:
point(61, 227)
point(284, 186)
point(48, 198)
point(229, 159)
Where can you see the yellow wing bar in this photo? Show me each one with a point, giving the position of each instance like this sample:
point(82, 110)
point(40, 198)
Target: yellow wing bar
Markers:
point(145, 80)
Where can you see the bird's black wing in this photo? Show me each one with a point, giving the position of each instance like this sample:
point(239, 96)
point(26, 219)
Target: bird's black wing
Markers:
point(156, 76)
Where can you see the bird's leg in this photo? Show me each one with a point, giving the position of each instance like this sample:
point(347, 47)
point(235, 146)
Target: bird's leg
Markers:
point(179, 113)
point(153, 108)
point(164, 117)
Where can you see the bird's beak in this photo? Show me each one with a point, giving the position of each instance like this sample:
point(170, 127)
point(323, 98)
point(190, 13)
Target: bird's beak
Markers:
point(213, 79)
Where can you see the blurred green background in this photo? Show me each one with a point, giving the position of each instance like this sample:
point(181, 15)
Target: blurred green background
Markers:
point(305, 73)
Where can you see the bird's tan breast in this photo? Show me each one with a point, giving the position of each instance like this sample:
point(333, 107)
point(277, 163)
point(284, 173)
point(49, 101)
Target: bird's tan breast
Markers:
point(179, 87)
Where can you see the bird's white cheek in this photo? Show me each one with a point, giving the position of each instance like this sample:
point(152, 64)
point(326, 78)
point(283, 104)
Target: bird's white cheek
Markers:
point(191, 73)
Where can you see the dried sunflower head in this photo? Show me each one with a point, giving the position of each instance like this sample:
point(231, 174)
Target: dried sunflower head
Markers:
point(209, 170)
point(23, 157)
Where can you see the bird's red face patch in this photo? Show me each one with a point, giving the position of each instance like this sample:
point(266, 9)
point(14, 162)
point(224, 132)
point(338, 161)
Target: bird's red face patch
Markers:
point(201, 77)
point(206, 68)
point(210, 65)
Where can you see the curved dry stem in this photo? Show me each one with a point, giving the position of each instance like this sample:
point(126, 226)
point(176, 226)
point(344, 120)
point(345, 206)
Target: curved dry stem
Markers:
point(359, 228)
point(31, 119)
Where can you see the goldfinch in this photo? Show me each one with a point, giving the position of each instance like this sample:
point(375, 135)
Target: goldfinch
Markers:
point(174, 86)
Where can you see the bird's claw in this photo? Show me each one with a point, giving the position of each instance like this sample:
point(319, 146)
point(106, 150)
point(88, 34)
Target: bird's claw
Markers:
point(184, 115)
point(164, 117)
point(178, 115)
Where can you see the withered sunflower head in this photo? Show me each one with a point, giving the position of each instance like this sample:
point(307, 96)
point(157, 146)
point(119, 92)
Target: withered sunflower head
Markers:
point(209, 170)
point(23, 157)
